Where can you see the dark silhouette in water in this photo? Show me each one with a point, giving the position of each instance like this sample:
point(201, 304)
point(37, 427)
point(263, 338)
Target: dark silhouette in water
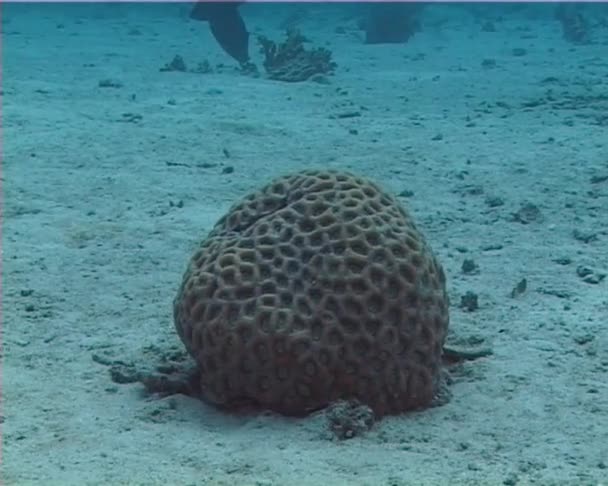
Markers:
point(226, 25)
point(391, 23)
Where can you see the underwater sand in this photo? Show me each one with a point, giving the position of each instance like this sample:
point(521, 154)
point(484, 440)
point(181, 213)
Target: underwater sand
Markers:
point(107, 190)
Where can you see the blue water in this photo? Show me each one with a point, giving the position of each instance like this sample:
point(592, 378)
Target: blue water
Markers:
point(128, 132)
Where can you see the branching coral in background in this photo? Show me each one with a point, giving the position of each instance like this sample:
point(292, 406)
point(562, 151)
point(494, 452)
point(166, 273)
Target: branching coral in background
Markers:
point(290, 61)
point(575, 27)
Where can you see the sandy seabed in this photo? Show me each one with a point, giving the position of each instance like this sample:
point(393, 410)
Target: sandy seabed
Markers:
point(107, 190)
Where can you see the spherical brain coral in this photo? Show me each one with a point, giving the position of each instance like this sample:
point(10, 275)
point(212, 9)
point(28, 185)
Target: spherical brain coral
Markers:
point(315, 288)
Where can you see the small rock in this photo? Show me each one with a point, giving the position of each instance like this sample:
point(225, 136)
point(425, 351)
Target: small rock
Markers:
point(597, 179)
point(563, 260)
point(176, 64)
point(345, 114)
point(520, 288)
point(123, 374)
point(109, 83)
point(492, 247)
point(584, 236)
point(582, 339)
point(349, 418)
point(469, 267)
point(590, 276)
point(494, 201)
point(469, 302)
point(131, 118)
point(527, 213)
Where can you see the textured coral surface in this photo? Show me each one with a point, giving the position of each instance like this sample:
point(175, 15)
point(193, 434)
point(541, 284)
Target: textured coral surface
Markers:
point(315, 288)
